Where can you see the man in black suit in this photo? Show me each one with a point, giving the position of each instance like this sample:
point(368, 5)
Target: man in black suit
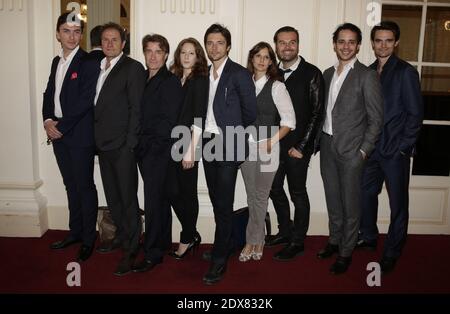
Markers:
point(161, 104)
point(304, 83)
point(390, 161)
point(231, 103)
point(68, 121)
point(117, 113)
point(96, 44)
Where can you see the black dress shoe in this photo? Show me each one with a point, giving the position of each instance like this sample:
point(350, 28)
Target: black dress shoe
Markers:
point(341, 265)
point(143, 266)
point(207, 256)
point(328, 251)
point(125, 265)
point(110, 246)
point(387, 264)
point(215, 273)
point(366, 245)
point(277, 239)
point(64, 243)
point(84, 253)
point(289, 252)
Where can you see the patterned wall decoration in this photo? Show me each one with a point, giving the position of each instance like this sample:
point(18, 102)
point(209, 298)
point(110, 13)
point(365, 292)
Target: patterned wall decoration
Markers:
point(188, 6)
point(11, 5)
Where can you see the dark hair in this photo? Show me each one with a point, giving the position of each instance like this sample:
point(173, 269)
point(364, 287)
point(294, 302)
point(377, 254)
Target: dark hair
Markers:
point(201, 65)
point(117, 27)
point(156, 38)
point(217, 28)
point(96, 36)
point(285, 29)
point(64, 18)
point(272, 71)
point(348, 26)
point(386, 26)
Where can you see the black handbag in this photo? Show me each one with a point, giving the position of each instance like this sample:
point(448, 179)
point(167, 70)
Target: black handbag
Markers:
point(240, 221)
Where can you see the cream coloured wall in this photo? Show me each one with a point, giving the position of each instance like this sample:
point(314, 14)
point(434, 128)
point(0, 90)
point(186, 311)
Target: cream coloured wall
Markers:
point(25, 159)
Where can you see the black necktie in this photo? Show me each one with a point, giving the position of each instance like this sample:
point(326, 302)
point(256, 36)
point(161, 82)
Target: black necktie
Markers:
point(286, 71)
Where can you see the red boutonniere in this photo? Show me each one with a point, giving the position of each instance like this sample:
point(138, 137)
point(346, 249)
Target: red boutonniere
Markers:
point(74, 76)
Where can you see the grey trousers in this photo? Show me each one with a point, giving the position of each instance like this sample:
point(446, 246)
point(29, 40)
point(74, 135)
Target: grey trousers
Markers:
point(342, 183)
point(258, 173)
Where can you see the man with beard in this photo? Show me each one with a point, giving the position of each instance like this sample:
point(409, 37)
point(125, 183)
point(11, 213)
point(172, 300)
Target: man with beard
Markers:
point(304, 83)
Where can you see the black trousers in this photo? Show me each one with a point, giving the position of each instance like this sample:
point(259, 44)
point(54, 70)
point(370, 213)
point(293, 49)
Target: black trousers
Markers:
point(395, 173)
point(118, 169)
point(221, 180)
point(296, 171)
point(158, 218)
point(181, 188)
point(77, 170)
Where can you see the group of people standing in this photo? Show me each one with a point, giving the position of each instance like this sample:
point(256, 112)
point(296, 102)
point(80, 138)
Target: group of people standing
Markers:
point(106, 103)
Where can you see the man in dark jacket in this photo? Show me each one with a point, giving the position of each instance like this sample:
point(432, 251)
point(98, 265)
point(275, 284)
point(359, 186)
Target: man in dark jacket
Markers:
point(304, 83)
point(390, 161)
point(69, 123)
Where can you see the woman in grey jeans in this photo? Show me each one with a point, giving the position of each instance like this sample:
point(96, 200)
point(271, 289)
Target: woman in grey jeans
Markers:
point(275, 118)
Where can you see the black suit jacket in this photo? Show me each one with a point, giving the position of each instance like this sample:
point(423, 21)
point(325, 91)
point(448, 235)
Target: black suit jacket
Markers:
point(76, 98)
point(160, 108)
point(234, 104)
point(117, 110)
point(403, 108)
point(195, 101)
point(97, 55)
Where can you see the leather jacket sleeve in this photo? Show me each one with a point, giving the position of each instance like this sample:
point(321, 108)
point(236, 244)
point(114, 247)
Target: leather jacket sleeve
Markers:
point(316, 96)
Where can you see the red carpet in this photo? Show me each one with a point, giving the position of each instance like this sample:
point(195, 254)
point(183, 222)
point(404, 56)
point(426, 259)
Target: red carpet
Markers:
point(29, 266)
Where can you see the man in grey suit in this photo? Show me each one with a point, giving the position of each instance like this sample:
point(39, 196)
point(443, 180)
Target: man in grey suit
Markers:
point(353, 121)
point(117, 112)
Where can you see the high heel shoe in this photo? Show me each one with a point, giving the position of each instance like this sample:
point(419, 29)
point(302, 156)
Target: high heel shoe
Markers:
point(257, 252)
point(193, 246)
point(246, 253)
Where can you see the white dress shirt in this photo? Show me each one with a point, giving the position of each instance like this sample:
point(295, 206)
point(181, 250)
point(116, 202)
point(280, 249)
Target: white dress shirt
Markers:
point(61, 72)
point(211, 124)
point(104, 74)
point(292, 68)
point(335, 88)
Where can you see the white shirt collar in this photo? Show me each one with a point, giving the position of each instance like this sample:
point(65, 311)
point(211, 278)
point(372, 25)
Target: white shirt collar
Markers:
point(261, 81)
point(292, 67)
point(112, 63)
point(349, 65)
point(219, 70)
point(70, 56)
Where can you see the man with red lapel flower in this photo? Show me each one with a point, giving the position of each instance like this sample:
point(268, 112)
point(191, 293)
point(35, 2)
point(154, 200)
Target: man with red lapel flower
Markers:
point(68, 121)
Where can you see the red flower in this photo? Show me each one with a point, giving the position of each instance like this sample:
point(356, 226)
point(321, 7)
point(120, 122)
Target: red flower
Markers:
point(74, 76)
